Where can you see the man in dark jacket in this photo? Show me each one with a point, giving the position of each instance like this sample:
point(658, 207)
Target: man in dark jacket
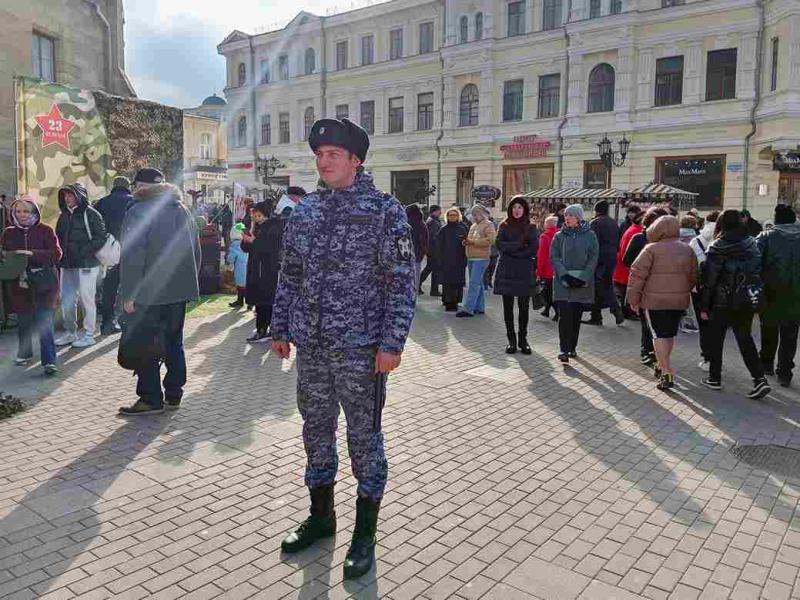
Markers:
point(752, 226)
point(81, 233)
point(434, 224)
point(224, 218)
point(780, 319)
point(607, 231)
point(113, 208)
point(159, 275)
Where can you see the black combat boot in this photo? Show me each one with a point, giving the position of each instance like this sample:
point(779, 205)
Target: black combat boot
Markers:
point(320, 524)
point(512, 341)
point(361, 554)
point(523, 343)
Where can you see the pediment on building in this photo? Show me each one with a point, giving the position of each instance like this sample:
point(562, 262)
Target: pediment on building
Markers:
point(235, 36)
point(302, 18)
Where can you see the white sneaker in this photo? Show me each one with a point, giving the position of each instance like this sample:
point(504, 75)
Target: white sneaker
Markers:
point(21, 362)
point(84, 341)
point(65, 339)
point(703, 365)
point(689, 329)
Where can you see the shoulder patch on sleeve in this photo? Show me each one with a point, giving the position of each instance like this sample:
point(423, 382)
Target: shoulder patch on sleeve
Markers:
point(405, 248)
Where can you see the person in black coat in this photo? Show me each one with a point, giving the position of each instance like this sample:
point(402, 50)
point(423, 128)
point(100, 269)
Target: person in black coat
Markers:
point(517, 242)
point(434, 224)
point(635, 247)
point(113, 209)
point(607, 231)
point(263, 265)
point(452, 259)
point(420, 239)
point(751, 226)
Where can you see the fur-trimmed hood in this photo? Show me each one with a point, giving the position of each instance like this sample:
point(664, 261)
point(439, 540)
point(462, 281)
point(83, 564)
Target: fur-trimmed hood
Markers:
point(160, 192)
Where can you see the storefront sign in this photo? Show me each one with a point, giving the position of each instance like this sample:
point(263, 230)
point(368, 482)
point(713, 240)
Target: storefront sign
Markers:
point(691, 172)
point(786, 161)
point(212, 176)
point(735, 167)
point(244, 165)
point(525, 146)
point(486, 193)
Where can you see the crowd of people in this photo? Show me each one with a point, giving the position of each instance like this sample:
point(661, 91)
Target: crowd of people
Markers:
point(667, 271)
point(337, 272)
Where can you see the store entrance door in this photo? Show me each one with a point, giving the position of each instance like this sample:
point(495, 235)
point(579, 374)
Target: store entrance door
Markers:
point(410, 187)
point(789, 188)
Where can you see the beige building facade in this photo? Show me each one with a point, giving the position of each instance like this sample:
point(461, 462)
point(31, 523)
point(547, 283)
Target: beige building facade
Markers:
point(517, 94)
point(78, 43)
point(205, 150)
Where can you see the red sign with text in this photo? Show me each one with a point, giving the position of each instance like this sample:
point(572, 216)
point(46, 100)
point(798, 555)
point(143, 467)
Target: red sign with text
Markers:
point(525, 146)
point(55, 128)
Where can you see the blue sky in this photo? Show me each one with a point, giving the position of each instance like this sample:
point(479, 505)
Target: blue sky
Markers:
point(171, 45)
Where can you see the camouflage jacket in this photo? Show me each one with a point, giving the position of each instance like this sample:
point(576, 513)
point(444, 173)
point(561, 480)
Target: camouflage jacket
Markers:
point(347, 278)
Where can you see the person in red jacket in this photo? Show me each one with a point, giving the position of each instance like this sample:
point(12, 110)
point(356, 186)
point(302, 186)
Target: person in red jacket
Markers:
point(622, 271)
point(34, 296)
point(544, 268)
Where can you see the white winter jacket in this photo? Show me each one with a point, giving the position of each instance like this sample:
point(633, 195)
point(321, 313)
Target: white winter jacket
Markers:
point(701, 243)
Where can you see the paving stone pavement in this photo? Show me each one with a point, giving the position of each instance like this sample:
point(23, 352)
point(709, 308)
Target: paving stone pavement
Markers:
point(511, 477)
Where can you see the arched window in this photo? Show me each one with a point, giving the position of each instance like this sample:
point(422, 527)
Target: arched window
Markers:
point(205, 146)
point(463, 30)
point(241, 132)
point(311, 61)
point(468, 106)
point(241, 77)
point(479, 26)
point(601, 89)
point(308, 122)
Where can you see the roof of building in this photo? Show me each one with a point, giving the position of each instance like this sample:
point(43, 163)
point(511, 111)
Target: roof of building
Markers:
point(214, 100)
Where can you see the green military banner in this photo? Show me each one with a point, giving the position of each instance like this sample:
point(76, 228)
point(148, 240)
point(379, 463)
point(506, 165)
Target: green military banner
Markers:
point(61, 139)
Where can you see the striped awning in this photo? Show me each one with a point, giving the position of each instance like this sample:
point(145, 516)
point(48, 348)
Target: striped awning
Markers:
point(574, 194)
point(661, 191)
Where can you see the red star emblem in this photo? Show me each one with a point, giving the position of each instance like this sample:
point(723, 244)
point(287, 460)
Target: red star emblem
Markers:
point(55, 128)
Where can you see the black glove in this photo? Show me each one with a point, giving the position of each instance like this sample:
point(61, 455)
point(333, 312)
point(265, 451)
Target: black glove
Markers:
point(573, 282)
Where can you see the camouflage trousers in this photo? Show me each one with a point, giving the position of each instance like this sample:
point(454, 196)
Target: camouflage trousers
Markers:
point(327, 379)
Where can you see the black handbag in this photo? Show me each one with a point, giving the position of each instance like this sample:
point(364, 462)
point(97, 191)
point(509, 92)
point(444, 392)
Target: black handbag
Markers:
point(142, 342)
point(42, 280)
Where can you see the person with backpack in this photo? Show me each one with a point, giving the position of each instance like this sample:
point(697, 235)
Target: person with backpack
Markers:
point(780, 319)
point(81, 233)
point(729, 298)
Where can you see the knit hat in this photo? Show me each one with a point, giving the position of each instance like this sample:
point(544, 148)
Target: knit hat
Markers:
point(148, 175)
point(481, 208)
point(601, 208)
point(574, 210)
point(784, 215)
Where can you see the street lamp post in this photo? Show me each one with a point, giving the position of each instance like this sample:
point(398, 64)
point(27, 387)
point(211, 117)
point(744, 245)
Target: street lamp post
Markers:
point(611, 158)
point(266, 167)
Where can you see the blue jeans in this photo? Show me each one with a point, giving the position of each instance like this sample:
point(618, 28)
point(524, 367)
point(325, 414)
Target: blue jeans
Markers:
point(41, 322)
point(475, 302)
point(171, 318)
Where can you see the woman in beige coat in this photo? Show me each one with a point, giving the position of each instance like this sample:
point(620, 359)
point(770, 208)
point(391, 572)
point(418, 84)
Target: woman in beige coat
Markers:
point(478, 246)
point(661, 280)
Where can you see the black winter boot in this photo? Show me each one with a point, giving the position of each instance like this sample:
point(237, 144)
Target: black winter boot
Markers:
point(523, 343)
point(320, 524)
point(512, 342)
point(361, 554)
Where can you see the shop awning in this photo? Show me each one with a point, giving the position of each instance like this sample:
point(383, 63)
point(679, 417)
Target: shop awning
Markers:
point(660, 191)
point(575, 194)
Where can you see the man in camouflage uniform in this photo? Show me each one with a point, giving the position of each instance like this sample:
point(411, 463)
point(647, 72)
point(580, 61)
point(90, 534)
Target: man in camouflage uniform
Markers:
point(346, 299)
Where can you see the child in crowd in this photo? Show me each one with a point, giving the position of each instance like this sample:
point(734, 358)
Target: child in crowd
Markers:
point(238, 259)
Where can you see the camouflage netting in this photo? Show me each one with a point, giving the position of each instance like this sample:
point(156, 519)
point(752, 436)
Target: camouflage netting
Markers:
point(141, 134)
point(9, 405)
